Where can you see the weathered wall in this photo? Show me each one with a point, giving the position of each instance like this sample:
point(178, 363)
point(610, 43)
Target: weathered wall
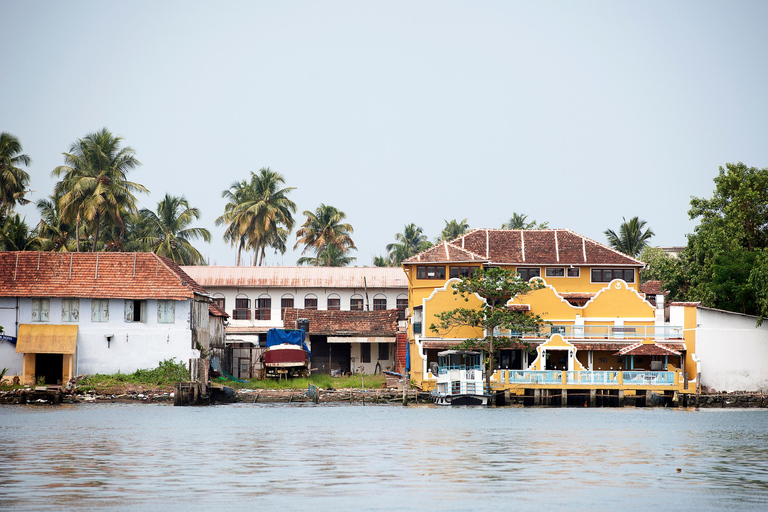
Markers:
point(733, 351)
point(8, 356)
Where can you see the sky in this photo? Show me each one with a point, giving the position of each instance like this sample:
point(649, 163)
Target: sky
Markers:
point(575, 113)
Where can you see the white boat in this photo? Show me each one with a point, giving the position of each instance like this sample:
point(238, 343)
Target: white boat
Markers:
point(459, 379)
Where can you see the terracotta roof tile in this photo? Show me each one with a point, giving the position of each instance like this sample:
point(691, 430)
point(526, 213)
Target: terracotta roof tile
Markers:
point(352, 323)
point(640, 349)
point(525, 247)
point(93, 275)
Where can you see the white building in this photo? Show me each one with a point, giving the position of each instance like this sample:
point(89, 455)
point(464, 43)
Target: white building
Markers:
point(257, 298)
point(67, 314)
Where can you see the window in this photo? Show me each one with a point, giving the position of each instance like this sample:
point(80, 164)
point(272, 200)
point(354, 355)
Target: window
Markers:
point(365, 352)
point(41, 310)
point(310, 303)
point(242, 309)
point(430, 272)
point(100, 310)
point(70, 310)
point(606, 275)
point(263, 309)
point(221, 302)
point(383, 351)
point(135, 310)
point(574, 272)
point(166, 311)
point(459, 272)
point(379, 304)
point(334, 304)
point(527, 273)
point(402, 307)
point(356, 303)
point(554, 272)
point(285, 303)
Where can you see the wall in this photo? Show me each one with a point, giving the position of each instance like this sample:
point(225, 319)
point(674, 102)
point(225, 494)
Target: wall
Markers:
point(370, 368)
point(8, 356)
point(732, 350)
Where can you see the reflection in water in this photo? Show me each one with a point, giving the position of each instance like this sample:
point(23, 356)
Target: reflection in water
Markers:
point(108, 456)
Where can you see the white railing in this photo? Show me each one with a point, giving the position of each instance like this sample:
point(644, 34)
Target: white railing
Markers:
point(589, 332)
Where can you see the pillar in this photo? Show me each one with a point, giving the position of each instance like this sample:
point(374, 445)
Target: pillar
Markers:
point(592, 397)
point(537, 396)
point(621, 398)
point(648, 398)
point(564, 398)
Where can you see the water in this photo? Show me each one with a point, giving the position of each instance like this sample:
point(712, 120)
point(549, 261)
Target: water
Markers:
point(307, 457)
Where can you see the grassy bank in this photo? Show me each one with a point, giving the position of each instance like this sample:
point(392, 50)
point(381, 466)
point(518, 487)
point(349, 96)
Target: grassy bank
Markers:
point(321, 381)
point(165, 375)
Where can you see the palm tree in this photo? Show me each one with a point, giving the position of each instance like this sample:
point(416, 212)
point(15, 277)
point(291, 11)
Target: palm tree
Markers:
point(54, 233)
point(331, 256)
point(13, 180)
point(167, 232)
point(15, 235)
point(324, 228)
point(631, 238)
point(408, 243)
point(520, 221)
point(381, 261)
point(453, 229)
point(258, 214)
point(95, 188)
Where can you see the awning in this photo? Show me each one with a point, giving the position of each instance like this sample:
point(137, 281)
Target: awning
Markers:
point(47, 339)
point(647, 349)
point(361, 339)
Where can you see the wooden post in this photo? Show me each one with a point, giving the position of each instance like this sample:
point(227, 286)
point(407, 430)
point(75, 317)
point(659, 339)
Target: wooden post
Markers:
point(621, 398)
point(648, 398)
point(537, 396)
point(564, 397)
point(592, 397)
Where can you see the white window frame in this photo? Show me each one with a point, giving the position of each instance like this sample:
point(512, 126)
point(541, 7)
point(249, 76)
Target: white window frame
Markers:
point(166, 311)
point(70, 310)
point(41, 310)
point(99, 310)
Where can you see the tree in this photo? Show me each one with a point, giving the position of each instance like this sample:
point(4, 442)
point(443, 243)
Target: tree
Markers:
point(95, 187)
point(381, 261)
point(408, 243)
point(671, 271)
point(331, 256)
point(631, 239)
point(495, 286)
point(453, 229)
point(14, 181)
point(15, 235)
point(168, 232)
point(519, 221)
point(323, 229)
point(258, 214)
point(53, 232)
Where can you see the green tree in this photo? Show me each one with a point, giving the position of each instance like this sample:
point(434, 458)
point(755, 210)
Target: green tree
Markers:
point(94, 188)
point(14, 181)
point(495, 286)
point(408, 243)
point(258, 214)
point(168, 232)
point(453, 229)
point(671, 271)
point(631, 239)
point(16, 235)
point(381, 261)
point(53, 232)
point(331, 256)
point(520, 221)
point(323, 229)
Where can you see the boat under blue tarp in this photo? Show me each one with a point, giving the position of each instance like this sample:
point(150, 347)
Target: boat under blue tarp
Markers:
point(291, 337)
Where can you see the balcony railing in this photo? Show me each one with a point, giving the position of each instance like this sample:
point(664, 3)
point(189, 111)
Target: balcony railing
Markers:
point(591, 332)
point(241, 314)
point(603, 378)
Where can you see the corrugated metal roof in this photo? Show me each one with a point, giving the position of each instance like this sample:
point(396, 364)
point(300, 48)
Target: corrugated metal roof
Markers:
point(298, 277)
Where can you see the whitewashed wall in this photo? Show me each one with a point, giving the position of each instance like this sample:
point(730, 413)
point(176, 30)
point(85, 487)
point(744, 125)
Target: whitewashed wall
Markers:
point(8, 356)
point(733, 351)
point(370, 368)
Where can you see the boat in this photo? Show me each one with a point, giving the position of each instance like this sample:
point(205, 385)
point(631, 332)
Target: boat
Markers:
point(287, 354)
point(459, 379)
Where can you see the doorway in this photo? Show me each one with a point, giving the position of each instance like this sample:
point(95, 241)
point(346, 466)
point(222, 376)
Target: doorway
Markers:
point(557, 360)
point(49, 367)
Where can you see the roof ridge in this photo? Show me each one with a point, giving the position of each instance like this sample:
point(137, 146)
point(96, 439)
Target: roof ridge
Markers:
point(603, 245)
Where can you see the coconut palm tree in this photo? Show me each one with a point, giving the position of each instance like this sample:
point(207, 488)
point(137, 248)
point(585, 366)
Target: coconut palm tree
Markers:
point(331, 256)
point(381, 261)
point(453, 229)
point(408, 243)
point(14, 181)
point(324, 228)
point(631, 239)
point(15, 235)
point(258, 214)
point(94, 188)
point(520, 221)
point(54, 233)
point(168, 233)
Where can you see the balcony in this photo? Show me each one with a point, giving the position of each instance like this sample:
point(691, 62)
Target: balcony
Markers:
point(601, 332)
point(586, 378)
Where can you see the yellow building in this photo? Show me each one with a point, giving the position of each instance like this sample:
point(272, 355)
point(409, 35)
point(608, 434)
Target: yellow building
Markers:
point(602, 336)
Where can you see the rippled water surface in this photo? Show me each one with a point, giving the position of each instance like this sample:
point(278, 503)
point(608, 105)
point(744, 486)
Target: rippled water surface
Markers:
point(306, 457)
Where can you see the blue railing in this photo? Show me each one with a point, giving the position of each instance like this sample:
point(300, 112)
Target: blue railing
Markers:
point(649, 378)
point(532, 376)
point(609, 378)
point(592, 377)
point(445, 369)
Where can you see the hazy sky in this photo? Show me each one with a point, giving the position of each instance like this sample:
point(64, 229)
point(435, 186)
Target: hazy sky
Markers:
point(576, 113)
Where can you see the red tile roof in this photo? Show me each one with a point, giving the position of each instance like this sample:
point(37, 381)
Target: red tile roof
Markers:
point(640, 349)
point(524, 247)
point(93, 275)
point(652, 288)
point(345, 323)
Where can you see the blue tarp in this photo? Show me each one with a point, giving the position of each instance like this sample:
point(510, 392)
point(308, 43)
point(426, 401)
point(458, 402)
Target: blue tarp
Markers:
point(279, 336)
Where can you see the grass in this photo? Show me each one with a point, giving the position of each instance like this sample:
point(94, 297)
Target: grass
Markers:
point(321, 381)
point(167, 373)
